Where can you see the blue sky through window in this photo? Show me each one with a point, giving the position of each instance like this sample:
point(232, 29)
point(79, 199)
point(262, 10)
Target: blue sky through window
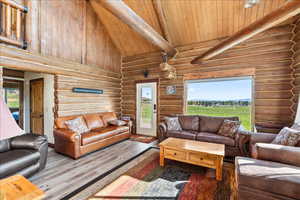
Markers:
point(220, 90)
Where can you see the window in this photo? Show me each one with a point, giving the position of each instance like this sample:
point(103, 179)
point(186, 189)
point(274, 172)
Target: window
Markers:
point(221, 97)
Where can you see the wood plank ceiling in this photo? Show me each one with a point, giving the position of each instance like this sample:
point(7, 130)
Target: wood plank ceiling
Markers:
point(184, 22)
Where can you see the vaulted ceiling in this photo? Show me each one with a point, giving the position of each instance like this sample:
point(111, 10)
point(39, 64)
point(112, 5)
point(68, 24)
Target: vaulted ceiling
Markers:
point(184, 22)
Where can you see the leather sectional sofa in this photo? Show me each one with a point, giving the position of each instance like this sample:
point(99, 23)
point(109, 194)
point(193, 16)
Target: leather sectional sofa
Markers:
point(205, 128)
point(272, 172)
point(25, 155)
point(101, 134)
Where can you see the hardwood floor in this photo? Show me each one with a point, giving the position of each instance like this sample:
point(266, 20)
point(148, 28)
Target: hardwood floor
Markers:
point(63, 177)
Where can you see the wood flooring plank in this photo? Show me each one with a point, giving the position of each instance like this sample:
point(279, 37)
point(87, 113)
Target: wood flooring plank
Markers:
point(64, 175)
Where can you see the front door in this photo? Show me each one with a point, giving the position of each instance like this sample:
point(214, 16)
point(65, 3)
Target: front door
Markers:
point(146, 122)
point(37, 106)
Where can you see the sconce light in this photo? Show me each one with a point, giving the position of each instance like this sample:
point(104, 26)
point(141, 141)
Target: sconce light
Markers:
point(146, 73)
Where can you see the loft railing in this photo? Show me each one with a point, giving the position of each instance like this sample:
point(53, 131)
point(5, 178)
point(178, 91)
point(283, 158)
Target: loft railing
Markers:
point(12, 23)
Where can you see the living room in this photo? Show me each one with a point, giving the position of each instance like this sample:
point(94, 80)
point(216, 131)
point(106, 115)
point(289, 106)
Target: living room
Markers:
point(151, 99)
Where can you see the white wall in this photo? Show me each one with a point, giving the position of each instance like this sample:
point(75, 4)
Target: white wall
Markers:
point(48, 102)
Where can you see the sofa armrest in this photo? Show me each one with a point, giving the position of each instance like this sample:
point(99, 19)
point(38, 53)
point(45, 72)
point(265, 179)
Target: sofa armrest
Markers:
point(129, 123)
point(66, 134)
point(277, 153)
point(28, 141)
point(162, 133)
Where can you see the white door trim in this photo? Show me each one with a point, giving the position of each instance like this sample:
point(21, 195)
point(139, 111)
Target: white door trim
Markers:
point(152, 131)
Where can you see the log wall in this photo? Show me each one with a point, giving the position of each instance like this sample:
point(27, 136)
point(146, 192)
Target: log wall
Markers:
point(269, 53)
point(69, 103)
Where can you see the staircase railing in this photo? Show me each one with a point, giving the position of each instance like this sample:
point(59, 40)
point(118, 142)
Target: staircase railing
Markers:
point(12, 23)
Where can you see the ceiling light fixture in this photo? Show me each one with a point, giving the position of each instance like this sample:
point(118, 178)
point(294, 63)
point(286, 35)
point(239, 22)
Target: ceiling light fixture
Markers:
point(250, 3)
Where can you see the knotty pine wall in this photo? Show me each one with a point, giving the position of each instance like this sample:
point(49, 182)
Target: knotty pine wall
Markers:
point(70, 30)
point(269, 53)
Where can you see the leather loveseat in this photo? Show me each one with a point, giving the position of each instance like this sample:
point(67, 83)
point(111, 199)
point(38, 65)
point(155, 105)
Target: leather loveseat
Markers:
point(25, 155)
point(272, 172)
point(101, 134)
point(205, 128)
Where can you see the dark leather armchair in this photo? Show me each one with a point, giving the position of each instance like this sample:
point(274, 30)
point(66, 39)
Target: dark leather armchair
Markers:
point(25, 155)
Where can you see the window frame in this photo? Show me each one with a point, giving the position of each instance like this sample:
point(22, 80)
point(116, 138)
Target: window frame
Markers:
point(252, 78)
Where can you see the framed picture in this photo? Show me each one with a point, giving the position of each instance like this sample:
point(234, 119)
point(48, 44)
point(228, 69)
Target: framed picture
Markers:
point(171, 89)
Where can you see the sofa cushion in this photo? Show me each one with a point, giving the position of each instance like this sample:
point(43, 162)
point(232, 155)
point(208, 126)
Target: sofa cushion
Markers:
point(93, 121)
point(102, 133)
point(182, 134)
point(214, 138)
point(272, 177)
point(16, 160)
point(189, 122)
point(108, 116)
point(213, 124)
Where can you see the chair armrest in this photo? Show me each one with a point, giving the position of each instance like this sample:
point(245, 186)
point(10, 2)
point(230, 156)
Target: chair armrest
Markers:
point(242, 141)
point(277, 153)
point(162, 133)
point(66, 134)
point(261, 138)
point(28, 141)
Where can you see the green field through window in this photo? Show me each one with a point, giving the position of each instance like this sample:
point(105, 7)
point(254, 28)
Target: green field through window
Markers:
point(243, 112)
point(223, 97)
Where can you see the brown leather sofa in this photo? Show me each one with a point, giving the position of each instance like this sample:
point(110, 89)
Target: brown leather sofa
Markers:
point(272, 173)
point(204, 128)
point(101, 135)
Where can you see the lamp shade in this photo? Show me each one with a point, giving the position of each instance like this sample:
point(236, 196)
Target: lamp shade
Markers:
point(8, 126)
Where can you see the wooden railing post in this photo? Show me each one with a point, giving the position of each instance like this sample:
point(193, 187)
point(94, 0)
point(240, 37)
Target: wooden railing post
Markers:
point(12, 23)
point(8, 21)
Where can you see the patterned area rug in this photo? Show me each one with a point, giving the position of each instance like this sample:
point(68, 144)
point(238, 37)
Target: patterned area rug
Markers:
point(176, 180)
point(142, 138)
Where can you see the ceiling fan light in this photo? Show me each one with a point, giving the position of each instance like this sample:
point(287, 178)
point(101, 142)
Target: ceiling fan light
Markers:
point(250, 3)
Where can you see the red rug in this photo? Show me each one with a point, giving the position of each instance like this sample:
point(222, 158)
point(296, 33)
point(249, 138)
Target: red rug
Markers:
point(142, 138)
point(148, 180)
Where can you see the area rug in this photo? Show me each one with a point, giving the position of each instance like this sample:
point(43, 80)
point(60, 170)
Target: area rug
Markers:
point(147, 180)
point(142, 138)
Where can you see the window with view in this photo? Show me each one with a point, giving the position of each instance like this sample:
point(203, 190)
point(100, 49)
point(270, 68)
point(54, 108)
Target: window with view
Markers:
point(221, 97)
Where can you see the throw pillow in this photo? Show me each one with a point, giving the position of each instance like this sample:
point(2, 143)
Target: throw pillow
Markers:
point(173, 123)
point(296, 126)
point(117, 122)
point(77, 125)
point(229, 128)
point(287, 136)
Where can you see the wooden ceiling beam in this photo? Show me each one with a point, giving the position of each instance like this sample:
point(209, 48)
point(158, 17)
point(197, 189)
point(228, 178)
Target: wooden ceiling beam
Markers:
point(119, 9)
point(276, 17)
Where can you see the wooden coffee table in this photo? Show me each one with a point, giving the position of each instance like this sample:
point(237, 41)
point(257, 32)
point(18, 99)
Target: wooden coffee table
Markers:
point(19, 188)
point(194, 152)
